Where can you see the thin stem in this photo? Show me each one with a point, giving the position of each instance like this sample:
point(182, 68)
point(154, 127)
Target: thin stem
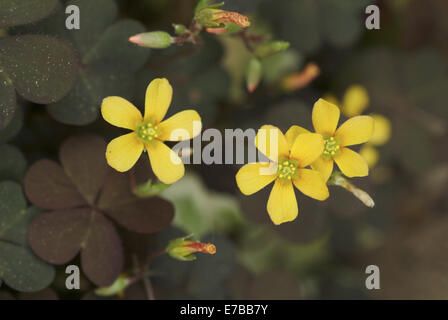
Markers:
point(338, 180)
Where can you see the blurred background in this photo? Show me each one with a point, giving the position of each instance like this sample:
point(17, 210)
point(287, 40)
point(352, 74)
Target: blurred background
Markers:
point(398, 72)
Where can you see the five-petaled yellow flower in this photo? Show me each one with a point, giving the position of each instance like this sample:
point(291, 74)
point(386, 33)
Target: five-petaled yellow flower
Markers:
point(355, 130)
point(149, 132)
point(290, 154)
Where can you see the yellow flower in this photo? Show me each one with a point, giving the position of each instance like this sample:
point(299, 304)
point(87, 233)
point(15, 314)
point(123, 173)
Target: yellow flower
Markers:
point(381, 133)
point(290, 154)
point(370, 154)
point(354, 131)
point(355, 100)
point(149, 132)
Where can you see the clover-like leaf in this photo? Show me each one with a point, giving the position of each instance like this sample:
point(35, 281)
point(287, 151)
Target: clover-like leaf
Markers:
point(19, 267)
point(108, 59)
point(84, 193)
point(14, 126)
point(42, 69)
point(309, 24)
point(18, 12)
point(13, 164)
point(147, 215)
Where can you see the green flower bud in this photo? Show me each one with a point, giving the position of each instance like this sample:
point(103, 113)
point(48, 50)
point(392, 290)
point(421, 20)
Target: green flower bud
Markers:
point(183, 249)
point(253, 75)
point(115, 288)
point(214, 18)
point(155, 39)
point(149, 189)
point(179, 29)
point(271, 48)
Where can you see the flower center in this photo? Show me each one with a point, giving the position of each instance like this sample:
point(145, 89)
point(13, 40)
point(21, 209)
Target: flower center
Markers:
point(287, 169)
point(331, 147)
point(147, 131)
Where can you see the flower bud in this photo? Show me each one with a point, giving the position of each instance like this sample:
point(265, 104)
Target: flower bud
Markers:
point(179, 29)
point(299, 80)
point(155, 39)
point(184, 249)
point(253, 75)
point(382, 130)
point(214, 18)
point(115, 288)
point(271, 48)
point(149, 189)
point(355, 101)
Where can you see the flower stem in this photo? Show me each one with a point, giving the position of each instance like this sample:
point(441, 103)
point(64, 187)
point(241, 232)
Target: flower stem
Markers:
point(337, 179)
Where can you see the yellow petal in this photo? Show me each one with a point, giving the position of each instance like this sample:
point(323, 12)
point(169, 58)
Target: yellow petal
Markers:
point(325, 117)
point(182, 126)
point(355, 130)
point(253, 177)
point(329, 97)
point(271, 142)
point(370, 154)
point(312, 184)
point(120, 113)
point(282, 203)
point(355, 101)
point(165, 163)
point(324, 166)
point(307, 148)
point(123, 152)
point(381, 131)
point(352, 164)
point(293, 133)
point(158, 99)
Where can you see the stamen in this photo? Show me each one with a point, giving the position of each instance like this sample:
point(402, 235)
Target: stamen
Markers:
point(331, 147)
point(147, 131)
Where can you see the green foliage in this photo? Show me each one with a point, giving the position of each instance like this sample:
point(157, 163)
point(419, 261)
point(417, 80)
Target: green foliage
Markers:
point(19, 267)
point(14, 126)
point(42, 69)
point(108, 59)
point(309, 24)
point(13, 164)
point(199, 211)
point(18, 12)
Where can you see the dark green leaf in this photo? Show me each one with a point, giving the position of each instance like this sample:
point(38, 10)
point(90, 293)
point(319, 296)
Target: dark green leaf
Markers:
point(19, 267)
point(114, 46)
point(17, 12)
point(81, 105)
point(21, 270)
point(109, 60)
point(13, 164)
point(13, 127)
point(8, 100)
point(43, 69)
point(12, 212)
